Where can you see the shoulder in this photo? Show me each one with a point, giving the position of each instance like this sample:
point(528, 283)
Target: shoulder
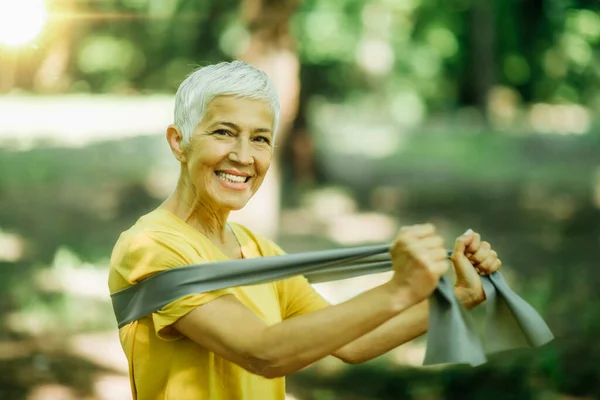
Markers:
point(146, 248)
point(149, 233)
point(135, 242)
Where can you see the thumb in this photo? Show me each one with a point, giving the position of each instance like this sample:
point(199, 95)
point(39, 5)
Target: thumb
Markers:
point(459, 258)
point(462, 242)
point(463, 267)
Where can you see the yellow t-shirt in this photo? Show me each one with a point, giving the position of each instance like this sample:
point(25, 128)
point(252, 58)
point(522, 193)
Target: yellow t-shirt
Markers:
point(165, 365)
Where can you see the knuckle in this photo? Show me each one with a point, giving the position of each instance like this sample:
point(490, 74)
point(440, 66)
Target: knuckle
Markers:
point(443, 266)
point(398, 248)
point(412, 251)
point(403, 232)
point(403, 237)
point(487, 263)
point(435, 254)
point(399, 243)
point(421, 260)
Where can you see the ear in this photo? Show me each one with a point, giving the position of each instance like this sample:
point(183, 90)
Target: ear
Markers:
point(175, 140)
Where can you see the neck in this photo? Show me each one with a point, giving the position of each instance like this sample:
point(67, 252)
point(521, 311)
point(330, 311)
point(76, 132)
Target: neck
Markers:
point(188, 205)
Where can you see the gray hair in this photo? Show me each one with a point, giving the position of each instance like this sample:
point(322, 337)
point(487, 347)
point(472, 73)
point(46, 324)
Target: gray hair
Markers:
point(235, 78)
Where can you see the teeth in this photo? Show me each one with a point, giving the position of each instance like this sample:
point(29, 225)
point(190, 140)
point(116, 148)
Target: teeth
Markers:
point(231, 178)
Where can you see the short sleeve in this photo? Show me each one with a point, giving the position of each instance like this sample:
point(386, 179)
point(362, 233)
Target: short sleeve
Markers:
point(298, 297)
point(152, 252)
point(165, 318)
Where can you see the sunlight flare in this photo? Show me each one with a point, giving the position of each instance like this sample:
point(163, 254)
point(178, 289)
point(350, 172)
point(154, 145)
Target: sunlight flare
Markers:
point(21, 21)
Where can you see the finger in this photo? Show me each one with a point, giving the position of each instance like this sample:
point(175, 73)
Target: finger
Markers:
point(432, 242)
point(432, 248)
point(427, 255)
point(460, 245)
point(415, 231)
point(487, 265)
point(497, 265)
point(484, 252)
point(473, 247)
point(439, 268)
point(437, 255)
point(409, 238)
point(425, 244)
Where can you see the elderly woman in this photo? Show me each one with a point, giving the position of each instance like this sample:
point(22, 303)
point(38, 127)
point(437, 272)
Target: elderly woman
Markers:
point(240, 342)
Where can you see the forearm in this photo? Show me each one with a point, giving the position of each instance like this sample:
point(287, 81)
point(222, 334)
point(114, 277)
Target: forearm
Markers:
point(295, 343)
point(403, 328)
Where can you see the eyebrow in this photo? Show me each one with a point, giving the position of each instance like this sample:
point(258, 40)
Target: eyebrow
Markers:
point(236, 127)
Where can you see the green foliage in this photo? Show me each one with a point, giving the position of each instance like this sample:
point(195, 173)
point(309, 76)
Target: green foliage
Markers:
point(546, 51)
point(389, 65)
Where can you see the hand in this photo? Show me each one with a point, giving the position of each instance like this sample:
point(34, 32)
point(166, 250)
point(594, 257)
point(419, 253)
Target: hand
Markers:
point(472, 257)
point(419, 259)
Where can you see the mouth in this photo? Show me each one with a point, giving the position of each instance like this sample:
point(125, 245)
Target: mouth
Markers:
point(231, 178)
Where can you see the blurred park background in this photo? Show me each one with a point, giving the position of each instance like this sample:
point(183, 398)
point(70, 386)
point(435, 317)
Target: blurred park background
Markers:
point(479, 114)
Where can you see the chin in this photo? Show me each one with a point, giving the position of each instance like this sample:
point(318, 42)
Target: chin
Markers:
point(233, 204)
point(236, 207)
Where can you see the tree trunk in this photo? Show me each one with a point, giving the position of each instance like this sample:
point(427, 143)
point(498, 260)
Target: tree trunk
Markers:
point(52, 74)
point(482, 34)
point(272, 50)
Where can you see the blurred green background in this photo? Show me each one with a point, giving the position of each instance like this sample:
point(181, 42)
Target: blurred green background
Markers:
point(477, 114)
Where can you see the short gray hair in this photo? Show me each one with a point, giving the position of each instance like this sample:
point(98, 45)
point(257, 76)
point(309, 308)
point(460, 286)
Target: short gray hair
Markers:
point(235, 78)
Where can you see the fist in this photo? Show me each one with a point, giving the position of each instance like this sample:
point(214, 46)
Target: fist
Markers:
point(419, 259)
point(472, 257)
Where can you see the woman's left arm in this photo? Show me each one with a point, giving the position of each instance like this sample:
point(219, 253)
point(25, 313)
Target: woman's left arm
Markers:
point(471, 257)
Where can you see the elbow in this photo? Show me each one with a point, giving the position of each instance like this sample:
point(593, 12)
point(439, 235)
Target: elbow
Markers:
point(352, 361)
point(347, 357)
point(273, 362)
point(268, 370)
point(265, 366)
point(272, 373)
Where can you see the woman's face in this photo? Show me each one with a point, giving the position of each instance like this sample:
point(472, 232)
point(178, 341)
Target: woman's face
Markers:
point(230, 151)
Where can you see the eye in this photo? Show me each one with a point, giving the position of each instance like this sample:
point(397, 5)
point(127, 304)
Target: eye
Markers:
point(262, 139)
point(222, 132)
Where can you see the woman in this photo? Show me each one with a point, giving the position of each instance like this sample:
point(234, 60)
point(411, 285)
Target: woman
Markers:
point(240, 343)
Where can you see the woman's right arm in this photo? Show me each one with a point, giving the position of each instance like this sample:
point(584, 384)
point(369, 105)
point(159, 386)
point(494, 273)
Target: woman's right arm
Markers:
point(228, 328)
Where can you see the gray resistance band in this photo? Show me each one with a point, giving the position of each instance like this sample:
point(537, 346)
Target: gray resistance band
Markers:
point(452, 338)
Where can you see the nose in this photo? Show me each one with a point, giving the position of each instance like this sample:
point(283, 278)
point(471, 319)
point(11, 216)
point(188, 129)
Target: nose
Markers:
point(242, 151)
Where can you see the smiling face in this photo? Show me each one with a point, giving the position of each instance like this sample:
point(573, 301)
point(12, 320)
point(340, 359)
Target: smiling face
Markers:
point(230, 151)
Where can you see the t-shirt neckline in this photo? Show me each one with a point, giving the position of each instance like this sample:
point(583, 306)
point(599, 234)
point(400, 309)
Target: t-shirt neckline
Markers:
point(231, 227)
